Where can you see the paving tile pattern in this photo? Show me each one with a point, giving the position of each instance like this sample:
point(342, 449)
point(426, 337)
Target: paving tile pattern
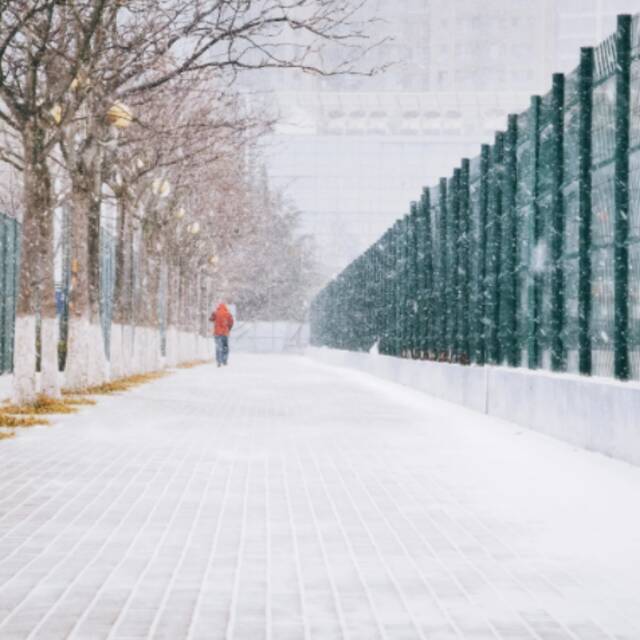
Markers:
point(282, 500)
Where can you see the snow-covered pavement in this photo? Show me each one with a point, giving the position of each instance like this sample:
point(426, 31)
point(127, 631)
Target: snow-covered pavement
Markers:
point(286, 500)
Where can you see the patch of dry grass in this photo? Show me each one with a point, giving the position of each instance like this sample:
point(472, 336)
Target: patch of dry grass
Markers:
point(30, 415)
point(42, 405)
point(80, 402)
point(7, 420)
point(117, 386)
point(192, 364)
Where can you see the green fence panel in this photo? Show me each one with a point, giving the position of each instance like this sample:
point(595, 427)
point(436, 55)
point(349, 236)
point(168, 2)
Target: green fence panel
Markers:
point(621, 195)
point(480, 203)
point(4, 298)
point(509, 286)
point(525, 198)
point(464, 265)
point(634, 205)
point(603, 208)
point(475, 291)
point(453, 290)
point(584, 214)
point(494, 250)
point(9, 260)
point(529, 252)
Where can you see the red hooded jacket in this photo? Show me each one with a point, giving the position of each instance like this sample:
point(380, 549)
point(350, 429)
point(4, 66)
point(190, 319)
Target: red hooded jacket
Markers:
point(222, 320)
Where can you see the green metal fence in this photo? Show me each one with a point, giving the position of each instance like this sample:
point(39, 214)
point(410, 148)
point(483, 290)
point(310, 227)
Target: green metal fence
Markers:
point(9, 262)
point(9, 256)
point(529, 254)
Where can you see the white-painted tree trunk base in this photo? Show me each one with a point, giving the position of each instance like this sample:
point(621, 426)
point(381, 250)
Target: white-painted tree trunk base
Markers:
point(171, 358)
point(117, 352)
point(50, 374)
point(138, 350)
point(181, 347)
point(153, 351)
point(25, 388)
point(189, 349)
point(128, 333)
point(133, 350)
point(204, 348)
point(98, 363)
point(76, 371)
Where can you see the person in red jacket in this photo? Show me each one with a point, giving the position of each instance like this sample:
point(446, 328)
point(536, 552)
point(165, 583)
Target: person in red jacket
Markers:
point(222, 325)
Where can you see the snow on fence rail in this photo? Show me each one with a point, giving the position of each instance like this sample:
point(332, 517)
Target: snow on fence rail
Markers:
point(529, 255)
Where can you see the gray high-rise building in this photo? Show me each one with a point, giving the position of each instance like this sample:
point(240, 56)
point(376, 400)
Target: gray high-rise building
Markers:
point(352, 151)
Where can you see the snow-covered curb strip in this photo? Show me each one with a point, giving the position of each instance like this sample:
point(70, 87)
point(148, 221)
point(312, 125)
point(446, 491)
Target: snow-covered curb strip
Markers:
point(595, 413)
point(6, 386)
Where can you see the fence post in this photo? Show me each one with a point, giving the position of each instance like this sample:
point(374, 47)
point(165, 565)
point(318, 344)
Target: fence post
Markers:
point(389, 258)
point(414, 289)
point(15, 252)
point(481, 342)
point(585, 92)
point(454, 263)
point(4, 224)
point(378, 291)
point(428, 292)
point(442, 276)
point(557, 315)
point(405, 322)
point(386, 339)
point(621, 223)
point(421, 295)
point(397, 243)
point(464, 311)
point(495, 251)
point(536, 279)
point(409, 283)
point(510, 288)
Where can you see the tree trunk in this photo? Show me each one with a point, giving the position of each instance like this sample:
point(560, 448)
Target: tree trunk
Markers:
point(120, 328)
point(153, 294)
point(77, 374)
point(99, 365)
point(172, 320)
point(49, 327)
point(36, 201)
point(149, 322)
point(123, 263)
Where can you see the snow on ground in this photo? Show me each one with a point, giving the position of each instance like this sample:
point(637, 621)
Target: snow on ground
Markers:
point(284, 499)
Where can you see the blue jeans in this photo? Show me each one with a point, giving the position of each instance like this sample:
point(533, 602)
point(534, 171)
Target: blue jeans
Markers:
point(222, 349)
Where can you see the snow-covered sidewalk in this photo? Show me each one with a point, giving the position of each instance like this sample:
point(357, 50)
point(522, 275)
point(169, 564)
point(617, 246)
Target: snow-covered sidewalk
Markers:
point(286, 500)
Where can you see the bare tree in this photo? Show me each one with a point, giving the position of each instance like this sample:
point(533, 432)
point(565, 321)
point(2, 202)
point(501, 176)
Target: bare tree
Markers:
point(42, 46)
point(63, 66)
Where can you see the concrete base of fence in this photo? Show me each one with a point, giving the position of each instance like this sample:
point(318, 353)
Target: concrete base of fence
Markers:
point(594, 413)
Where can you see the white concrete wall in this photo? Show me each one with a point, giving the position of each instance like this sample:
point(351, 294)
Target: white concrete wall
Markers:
point(594, 413)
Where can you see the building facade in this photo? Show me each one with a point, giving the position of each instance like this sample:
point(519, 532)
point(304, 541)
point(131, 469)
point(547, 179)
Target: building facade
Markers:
point(352, 151)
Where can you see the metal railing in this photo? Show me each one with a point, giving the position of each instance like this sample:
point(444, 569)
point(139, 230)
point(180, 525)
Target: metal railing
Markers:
point(9, 264)
point(9, 257)
point(529, 254)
